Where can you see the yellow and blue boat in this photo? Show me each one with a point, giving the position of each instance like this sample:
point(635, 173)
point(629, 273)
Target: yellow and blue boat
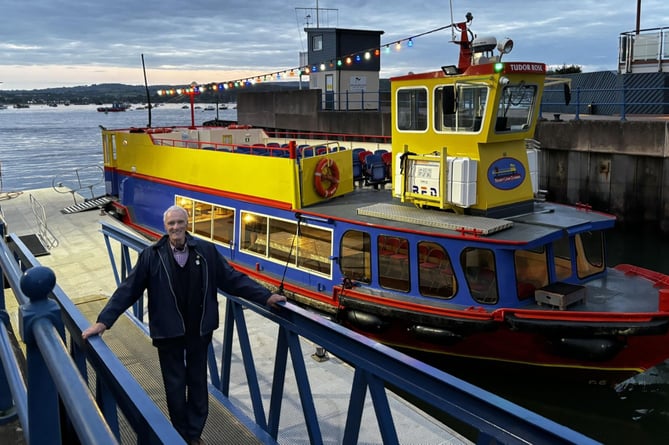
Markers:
point(437, 241)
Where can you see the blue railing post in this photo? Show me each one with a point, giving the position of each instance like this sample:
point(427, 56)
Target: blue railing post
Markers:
point(43, 407)
point(578, 103)
point(7, 408)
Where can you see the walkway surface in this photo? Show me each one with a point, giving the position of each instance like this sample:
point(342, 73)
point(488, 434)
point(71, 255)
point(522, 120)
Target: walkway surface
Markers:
point(83, 271)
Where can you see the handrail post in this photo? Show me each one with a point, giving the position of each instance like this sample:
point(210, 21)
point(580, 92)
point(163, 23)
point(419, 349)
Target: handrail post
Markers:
point(7, 409)
point(43, 404)
point(578, 103)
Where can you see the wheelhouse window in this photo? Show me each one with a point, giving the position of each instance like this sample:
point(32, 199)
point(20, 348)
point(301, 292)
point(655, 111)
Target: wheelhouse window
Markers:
point(461, 110)
point(355, 258)
point(279, 240)
point(209, 221)
point(562, 257)
point(531, 271)
point(435, 274)
point(479, 267)
point(411, 111)
point(589, 253)
point(515, 109)
point(393, 261)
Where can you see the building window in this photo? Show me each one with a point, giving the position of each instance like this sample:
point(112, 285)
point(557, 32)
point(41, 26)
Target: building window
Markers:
point(317, 43)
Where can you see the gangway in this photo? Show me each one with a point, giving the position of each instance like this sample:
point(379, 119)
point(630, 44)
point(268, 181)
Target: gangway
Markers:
point(56, 324)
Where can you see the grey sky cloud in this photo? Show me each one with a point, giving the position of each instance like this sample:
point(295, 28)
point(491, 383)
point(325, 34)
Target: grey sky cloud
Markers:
point(103, 41)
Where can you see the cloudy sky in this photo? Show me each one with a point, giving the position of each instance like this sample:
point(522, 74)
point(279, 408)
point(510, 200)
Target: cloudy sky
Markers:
point(53, 43)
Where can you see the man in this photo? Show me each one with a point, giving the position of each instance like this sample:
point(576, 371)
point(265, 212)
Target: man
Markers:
point(182, 276)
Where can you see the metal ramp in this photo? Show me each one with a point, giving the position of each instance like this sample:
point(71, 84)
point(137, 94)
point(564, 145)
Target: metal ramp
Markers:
point(87, 205)
point(134, 349)
point(444, 220)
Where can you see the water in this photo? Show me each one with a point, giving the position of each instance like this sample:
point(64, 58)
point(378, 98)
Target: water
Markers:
point(40, 146)
point(44, 146)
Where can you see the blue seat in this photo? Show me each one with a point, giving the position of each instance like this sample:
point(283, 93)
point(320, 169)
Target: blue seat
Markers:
point(375, 169)
point(357, 170)
point(243, 149)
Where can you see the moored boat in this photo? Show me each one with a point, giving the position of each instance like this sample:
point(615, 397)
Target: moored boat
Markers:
point(438, 241)
point(114, 108)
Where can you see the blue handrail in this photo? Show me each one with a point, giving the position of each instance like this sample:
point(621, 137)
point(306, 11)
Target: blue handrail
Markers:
point(375, 367)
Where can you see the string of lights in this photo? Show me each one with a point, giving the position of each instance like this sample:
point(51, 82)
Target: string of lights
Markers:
point(347, 60)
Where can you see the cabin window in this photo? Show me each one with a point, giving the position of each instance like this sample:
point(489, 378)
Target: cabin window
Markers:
point(314, 249)
point(589, 253)
point(254, 233)
point(562, 256)
point(393, 261)
point(515, 108)
point(479, 267)
point(411, 109)
point(531, 271)
point(355, 257)
point(208, 221)
point(469, 111)
point(277, 239)
point(435, 274)
point(282, 240)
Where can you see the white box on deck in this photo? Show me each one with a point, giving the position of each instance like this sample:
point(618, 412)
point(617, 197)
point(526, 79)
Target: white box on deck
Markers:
point(463, 194)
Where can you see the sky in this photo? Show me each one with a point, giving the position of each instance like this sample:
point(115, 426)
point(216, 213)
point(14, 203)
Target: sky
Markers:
point(55, 43)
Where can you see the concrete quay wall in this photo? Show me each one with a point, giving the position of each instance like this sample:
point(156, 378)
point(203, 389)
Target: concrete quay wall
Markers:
point(301, 111)
point(619, 167)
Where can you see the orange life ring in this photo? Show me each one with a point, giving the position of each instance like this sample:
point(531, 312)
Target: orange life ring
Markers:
point(238, 127)
point(326, 172)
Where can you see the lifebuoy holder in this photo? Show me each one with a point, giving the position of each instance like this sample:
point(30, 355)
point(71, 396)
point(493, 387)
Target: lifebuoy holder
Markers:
point(326, 173)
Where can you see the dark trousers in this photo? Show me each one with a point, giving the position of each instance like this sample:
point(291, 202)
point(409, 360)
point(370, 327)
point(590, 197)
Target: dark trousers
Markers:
point(183, 364)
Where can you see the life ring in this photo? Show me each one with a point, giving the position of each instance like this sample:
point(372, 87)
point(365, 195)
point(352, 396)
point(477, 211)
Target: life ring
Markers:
point(238, 127)
point(326, 172)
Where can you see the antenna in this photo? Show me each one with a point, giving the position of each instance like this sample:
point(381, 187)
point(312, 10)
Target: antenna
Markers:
point(148, 96)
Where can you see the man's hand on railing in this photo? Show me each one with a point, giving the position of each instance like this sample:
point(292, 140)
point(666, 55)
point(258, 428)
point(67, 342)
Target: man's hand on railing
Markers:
point(95, 329)
point(271, 301)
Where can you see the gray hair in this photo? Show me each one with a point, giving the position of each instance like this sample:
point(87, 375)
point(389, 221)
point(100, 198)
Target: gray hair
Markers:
point(175, 208)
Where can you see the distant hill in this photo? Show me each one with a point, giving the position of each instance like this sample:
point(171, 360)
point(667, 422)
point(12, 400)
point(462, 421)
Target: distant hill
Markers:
point(107, 93)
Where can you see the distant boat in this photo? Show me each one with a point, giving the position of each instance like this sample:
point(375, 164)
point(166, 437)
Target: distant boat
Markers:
point(223, 107)
point(3, 107)
point(21, 106)
point(209, 108)
point(114, 108)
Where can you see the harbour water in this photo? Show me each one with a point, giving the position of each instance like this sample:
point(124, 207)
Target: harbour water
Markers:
point(44, 146)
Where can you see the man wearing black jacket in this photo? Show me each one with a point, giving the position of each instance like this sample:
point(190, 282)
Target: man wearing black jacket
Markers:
point(182, 276)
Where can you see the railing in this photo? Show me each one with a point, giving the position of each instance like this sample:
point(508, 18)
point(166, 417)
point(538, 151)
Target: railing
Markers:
point(48, 318)
point(608, 101)
point(376, 368)
point(78, 180)
point(355, 101)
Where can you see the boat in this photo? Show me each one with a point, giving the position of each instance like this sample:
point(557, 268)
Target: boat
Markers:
point(114, 108)
point(438, 242)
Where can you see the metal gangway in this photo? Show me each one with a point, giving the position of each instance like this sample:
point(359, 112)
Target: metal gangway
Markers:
point(82, 392)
